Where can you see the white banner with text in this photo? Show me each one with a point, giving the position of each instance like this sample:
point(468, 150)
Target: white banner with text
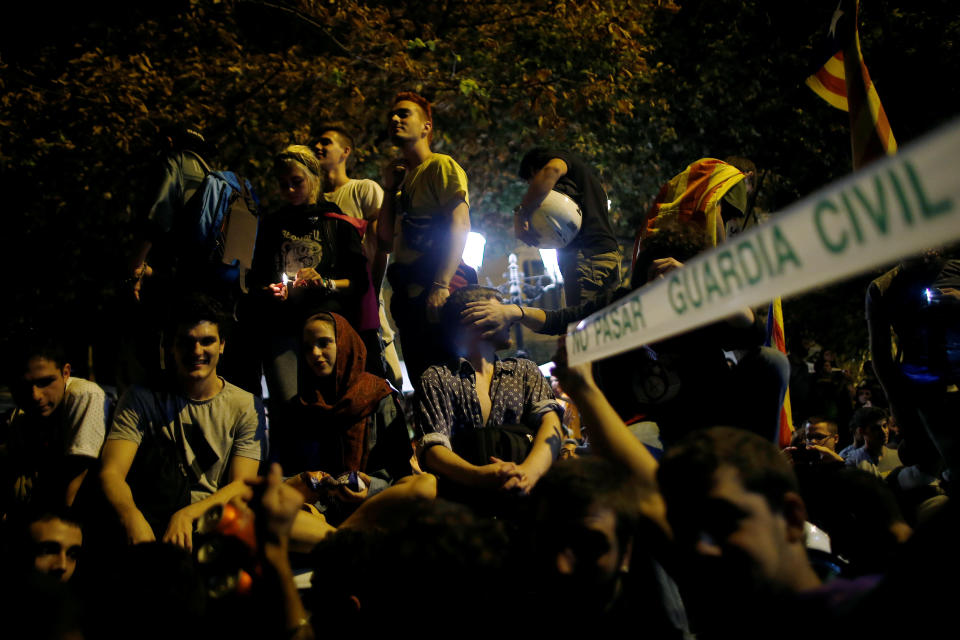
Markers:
point(896, 207)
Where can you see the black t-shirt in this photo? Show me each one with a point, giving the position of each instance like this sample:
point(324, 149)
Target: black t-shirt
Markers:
point(296, 238)
point(582, 184)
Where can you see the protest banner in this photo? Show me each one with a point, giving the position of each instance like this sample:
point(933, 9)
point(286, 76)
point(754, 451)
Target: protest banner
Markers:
point(895, 207)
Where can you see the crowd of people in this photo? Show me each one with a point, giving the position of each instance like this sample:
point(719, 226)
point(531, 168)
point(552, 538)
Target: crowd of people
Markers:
point(644, 492)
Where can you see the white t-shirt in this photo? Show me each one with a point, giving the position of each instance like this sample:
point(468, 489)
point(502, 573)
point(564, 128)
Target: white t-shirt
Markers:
point(358, 198)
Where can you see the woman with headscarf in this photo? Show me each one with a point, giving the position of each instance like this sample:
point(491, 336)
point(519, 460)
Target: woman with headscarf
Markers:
point(346, 429)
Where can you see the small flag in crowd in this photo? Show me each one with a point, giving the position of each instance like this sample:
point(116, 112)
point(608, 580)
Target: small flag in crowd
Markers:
point(776, 340)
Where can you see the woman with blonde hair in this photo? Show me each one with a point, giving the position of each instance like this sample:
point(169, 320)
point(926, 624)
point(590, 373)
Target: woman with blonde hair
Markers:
point(309, 259)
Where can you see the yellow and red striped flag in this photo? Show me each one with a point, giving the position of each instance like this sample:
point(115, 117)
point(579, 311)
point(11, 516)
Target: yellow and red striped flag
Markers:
point(694, 196)
point(776, 340)
point(845, 83)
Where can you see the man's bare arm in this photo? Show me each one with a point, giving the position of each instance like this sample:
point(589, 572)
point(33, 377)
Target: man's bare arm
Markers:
point(378, 262)
point(393, 176)
point(76, 469)
point(539, 186)
point(542, 182)
point(609, 436)
point(116, 460)
point(180, 528)
point(494, 316)
point(448, 464)
point(459, 229)
point(546, 448)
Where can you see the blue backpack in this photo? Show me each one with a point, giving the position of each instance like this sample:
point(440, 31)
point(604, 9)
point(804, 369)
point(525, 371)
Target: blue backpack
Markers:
point(219, 234)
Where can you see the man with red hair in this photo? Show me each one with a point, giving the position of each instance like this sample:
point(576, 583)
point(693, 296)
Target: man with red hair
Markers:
point(427, 191)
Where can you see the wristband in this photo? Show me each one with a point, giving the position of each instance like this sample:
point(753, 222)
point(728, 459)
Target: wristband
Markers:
point(522, 314)
point(439, 285)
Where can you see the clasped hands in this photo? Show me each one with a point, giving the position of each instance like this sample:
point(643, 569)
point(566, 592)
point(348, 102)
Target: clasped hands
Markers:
point(507, 476)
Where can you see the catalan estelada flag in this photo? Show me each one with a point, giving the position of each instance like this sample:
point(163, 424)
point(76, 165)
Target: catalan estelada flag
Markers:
point(776, 340)
point(845, 83)
point(694, 196)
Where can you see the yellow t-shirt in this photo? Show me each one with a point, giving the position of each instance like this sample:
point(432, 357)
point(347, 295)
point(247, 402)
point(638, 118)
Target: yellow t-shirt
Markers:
point(430, 193)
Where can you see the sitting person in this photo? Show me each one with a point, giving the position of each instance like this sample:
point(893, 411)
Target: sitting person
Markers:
point(816, 445)
point(309, 258)
point(54, 434)
point(344, 420)
point(173, 453)
point(738, 521)
point(477, 405)
point(600, 524)
point(870, 424)
point(52, 540)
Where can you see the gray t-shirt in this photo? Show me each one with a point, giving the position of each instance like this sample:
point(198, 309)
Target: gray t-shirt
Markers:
point(208, 433)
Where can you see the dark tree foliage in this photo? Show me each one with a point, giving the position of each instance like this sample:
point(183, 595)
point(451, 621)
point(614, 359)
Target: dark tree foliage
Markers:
point(641, 89)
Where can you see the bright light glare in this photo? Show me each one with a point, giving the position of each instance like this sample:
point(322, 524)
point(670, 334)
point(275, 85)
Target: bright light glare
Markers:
point(473, 250)
point(547, 369)
point(550, 265)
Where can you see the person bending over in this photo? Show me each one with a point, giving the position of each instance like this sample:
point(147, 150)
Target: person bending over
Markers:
point(54, 434)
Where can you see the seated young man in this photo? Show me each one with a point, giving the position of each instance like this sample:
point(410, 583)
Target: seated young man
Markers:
point(54, 433)
point(173, 453)
point(54, 539)
point(870, 426)
point(734, 505)
point(479, 404)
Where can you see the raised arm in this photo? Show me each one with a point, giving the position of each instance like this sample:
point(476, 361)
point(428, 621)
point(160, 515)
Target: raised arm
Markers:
point(494, 316)
point(276, 513)
point(609, 436)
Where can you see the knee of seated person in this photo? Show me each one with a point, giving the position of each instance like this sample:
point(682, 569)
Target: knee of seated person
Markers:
point(421, 485)
point(425, 486)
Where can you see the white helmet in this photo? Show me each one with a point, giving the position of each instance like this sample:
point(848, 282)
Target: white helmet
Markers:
point(556, 222)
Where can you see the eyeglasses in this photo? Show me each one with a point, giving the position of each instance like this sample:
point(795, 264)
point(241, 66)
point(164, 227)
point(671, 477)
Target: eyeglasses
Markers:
point(813, 437)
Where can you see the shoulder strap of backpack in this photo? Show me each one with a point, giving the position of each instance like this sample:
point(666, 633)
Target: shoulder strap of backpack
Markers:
point(199, 158)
